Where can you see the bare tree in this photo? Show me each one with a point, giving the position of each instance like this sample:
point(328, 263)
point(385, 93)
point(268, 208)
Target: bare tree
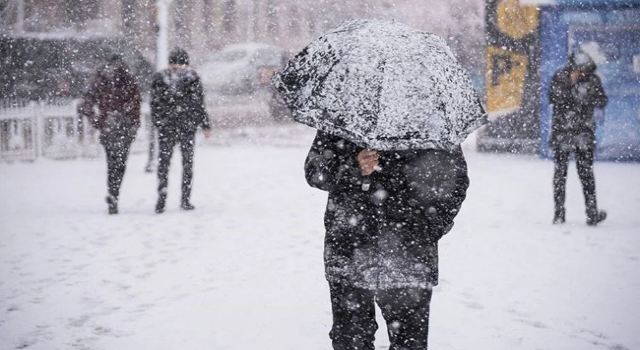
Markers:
point(208, 20)
point(181, 15)
point(229, 16)
point(129, 11)
point(272, 18)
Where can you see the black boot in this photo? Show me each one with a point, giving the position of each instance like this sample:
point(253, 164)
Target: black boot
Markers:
point(597, 217)
point(558, 217)
point(160, 205)
point(187, 206)
point(113, 204)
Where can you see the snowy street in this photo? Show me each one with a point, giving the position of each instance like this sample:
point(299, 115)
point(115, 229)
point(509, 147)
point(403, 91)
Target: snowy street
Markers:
point(244, 270)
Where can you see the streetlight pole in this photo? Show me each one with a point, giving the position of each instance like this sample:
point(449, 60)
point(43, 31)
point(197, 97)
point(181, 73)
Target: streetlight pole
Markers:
point(161, 13)
point(162, 36)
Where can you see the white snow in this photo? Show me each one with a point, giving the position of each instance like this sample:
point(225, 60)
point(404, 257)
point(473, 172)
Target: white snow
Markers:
point(382, 85)
point(244, 270)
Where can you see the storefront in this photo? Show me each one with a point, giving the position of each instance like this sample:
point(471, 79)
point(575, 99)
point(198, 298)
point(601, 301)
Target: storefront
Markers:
point(530, 39)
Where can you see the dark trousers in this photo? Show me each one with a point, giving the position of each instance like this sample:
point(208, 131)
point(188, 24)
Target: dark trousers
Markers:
point(584, 162)
point(405, 310)
point(152, 146)
point(117, 155)
point(167, 142)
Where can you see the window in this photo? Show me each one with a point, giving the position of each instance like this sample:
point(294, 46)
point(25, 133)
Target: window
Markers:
point(79, 11)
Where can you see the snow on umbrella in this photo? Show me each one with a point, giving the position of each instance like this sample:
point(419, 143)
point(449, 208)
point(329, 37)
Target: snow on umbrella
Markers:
point(383, 86)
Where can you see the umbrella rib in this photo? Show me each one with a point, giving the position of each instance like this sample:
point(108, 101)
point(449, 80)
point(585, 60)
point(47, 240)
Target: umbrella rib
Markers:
point(382, 85)
point(381, 67)
point(324, 77)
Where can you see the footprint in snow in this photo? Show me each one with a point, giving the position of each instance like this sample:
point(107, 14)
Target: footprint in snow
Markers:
point(535, 324)
point(473, 305)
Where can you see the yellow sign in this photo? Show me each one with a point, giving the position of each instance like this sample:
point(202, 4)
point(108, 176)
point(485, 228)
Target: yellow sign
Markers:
point(505, 77)
point(516, 21)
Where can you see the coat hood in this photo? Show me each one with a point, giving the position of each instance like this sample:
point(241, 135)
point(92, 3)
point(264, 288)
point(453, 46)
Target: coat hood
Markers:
point(581, 61)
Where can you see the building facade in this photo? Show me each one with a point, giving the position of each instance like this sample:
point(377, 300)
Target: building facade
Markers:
point(528, 40)
point(201, 26)
point(197, 25)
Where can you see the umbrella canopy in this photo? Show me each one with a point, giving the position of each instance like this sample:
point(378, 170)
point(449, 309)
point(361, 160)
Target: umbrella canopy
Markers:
point(383, 86)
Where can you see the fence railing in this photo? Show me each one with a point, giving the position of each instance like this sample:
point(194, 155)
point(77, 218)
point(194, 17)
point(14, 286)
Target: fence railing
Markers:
point(52, 129)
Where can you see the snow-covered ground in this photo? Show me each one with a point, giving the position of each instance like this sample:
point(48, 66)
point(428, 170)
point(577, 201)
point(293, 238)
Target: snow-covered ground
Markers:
point(244, 270)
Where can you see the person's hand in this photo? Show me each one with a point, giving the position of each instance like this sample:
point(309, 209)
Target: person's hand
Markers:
point(574, 76)
point(581, 94)
point(207, 133)
point(367, 161)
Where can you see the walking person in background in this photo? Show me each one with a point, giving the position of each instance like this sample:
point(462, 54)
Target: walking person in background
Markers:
point(177, 110)
point(116, 94)
point(575, 92)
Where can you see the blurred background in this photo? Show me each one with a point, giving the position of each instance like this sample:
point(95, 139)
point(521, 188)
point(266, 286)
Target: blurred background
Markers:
point(204, 26)
point(50, 50)
point(510, 48)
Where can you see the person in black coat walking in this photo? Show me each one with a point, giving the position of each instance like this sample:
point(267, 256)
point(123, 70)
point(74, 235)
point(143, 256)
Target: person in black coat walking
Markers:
point(386, 212)
point(177, 110)
point(575, 92)
point(116, 94)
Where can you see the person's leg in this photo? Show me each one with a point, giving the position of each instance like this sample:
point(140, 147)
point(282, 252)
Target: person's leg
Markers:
point(584, 162)
point(120, 166)
point(187, 145)
point(561, 164)
point(112, 188)
point(111, 174)
point(164, 161)
point(354, 318)
point(406, 312)
point(152, 145)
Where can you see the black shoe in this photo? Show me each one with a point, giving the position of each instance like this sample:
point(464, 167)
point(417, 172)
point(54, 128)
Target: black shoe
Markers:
point(160, 206)
point(187, 206)
point(558, 217)
point(113, 204)
point(599, 217)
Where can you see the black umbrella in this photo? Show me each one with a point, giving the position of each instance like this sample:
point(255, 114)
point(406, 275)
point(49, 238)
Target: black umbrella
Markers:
point(383, 86)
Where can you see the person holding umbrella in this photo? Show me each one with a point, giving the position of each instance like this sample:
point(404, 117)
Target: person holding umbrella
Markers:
point(391, 106)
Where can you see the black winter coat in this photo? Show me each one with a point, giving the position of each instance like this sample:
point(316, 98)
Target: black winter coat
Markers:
point(385, 237)
point(177, 102)
point(573, 124)
point(115, 91)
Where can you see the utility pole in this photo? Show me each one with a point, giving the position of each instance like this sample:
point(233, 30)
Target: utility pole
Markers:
point(161, 14)
point(162, 34)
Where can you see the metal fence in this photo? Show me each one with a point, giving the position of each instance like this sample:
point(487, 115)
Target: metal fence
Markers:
point(52, 129)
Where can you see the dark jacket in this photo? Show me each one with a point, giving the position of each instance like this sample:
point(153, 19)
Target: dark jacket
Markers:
point(573, 124)
point(116, 93)
point(385, 237)
point(177, 101)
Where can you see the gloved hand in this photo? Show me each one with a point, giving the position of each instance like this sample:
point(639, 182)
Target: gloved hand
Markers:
point(581, 93)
